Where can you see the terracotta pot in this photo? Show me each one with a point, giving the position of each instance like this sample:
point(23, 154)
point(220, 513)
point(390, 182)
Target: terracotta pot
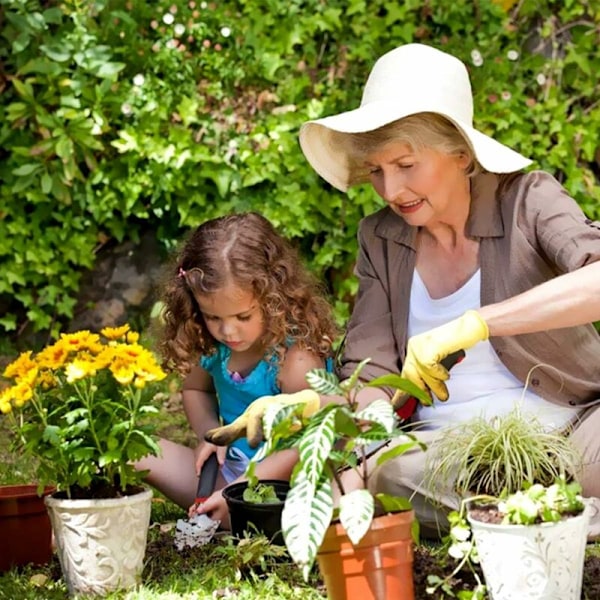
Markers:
point(251, 517)
point(378, 568)
point(101, 543)
point(25, 532)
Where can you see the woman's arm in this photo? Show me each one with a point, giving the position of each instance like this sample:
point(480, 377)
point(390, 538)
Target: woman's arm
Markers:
point(565, 301)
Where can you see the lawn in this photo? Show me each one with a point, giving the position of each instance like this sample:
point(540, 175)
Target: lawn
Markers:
point(226, 568)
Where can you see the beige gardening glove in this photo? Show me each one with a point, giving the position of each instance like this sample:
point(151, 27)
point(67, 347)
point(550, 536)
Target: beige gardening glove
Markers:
point(425, 351)
point(249, 423)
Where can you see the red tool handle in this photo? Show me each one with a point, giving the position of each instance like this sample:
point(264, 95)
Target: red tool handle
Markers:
point(406, 411)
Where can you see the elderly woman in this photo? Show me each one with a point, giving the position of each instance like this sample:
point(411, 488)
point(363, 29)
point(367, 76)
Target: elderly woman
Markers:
point(470, 253)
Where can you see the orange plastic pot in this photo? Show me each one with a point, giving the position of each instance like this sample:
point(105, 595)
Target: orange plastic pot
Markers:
point(380, 567)
point(25, 530)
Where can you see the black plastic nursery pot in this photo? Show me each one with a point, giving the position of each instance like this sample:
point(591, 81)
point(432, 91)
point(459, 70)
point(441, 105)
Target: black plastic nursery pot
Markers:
point(262, 518)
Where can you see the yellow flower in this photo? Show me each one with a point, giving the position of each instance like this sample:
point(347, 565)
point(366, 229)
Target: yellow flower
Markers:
point(115, 333)
point(19, 367)
point(79, 368)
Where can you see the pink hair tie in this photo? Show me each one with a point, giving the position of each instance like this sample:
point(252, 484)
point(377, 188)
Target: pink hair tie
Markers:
point(182, 273)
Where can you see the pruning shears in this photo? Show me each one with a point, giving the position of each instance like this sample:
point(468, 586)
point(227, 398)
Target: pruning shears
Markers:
point(407, 404)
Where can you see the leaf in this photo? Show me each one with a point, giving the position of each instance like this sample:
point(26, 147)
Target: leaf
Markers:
point(400, 449)
point(356, 513)
point(399, 383)
point(392, 504)
point(316, 445)
point(323, 382)
point(351, 382)
point(306, 515)
point(379, 411)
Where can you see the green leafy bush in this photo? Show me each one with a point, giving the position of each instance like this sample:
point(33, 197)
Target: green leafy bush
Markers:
point(118, 117)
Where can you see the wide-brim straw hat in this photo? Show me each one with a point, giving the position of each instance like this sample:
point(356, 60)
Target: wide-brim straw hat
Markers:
point(410, 79)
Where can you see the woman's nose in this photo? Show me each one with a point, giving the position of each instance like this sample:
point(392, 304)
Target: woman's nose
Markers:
point(392, 186)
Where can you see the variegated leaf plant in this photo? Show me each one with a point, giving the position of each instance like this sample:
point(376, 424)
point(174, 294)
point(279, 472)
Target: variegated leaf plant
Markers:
point(339, 436)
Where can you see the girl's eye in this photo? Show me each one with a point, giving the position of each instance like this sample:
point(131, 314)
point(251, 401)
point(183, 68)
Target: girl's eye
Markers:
point(245, 318)
point(374, 170)
point(406, 166)
point(210, 318)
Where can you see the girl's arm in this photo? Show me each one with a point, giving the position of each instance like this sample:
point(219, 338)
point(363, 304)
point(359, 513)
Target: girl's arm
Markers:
point(200, 401)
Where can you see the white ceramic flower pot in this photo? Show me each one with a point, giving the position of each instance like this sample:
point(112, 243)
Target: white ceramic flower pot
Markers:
point(101, 543)
point(533, 562)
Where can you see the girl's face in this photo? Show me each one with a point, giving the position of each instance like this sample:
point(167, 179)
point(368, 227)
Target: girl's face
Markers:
point(233, 317)
point(421, 186)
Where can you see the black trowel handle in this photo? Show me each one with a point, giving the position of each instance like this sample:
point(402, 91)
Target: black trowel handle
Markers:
point(207, 478)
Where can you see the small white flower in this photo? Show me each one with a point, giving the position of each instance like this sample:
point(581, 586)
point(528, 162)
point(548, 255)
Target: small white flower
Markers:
point(172, 43)
point(203, 5)
point(476, 58)
point(179, 29)
point(541, 79)
point(139, 80)
point(512, 55)
point(168, 18)
point(459, 550)
point(225, 31)
point(506, 95)
point(126, 109)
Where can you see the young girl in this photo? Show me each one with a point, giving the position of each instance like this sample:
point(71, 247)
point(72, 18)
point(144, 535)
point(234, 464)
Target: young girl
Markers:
point(243, 318)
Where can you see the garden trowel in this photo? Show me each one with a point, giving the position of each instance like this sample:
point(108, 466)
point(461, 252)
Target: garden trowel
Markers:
point(199, 529)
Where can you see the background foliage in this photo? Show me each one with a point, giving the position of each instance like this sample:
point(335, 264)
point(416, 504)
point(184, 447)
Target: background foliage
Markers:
point(118, 116)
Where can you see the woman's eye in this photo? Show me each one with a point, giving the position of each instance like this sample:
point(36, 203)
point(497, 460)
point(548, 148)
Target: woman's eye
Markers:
point(210, 318)
point(246, 318)
point(374, 170)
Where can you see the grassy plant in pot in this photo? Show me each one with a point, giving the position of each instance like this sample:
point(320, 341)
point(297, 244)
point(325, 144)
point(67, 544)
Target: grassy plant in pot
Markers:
point(81, 408)
point(499, 455)
point(531, 544)
point(363, 545)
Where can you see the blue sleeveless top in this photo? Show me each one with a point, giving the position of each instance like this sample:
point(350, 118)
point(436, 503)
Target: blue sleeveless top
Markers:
point(236, 394)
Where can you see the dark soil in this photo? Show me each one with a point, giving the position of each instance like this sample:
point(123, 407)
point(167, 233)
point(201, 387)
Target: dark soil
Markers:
point(489, 513)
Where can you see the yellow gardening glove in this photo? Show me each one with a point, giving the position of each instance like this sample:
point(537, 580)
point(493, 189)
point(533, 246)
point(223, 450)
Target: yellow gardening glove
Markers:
point(425, 351)
point(249, 423)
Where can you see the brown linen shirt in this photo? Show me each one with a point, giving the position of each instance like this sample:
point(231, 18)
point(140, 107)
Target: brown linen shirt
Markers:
point(530, 231)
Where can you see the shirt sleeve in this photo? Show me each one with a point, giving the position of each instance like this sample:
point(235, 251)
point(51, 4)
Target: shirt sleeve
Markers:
point(567, 237)
point(369, 333)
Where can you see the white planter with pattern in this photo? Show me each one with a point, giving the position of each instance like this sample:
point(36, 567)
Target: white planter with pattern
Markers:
point(533, 562)
point(101, 543)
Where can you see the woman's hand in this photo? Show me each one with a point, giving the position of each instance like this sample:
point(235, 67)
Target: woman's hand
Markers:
point(425, 351)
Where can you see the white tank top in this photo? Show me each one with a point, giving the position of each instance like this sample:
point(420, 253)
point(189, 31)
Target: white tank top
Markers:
point(480, 385)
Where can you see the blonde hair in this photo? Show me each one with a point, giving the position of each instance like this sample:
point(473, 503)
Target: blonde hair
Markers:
point(419, 131)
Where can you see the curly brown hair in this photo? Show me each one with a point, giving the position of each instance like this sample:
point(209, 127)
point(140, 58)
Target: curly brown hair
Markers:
point(243, 249)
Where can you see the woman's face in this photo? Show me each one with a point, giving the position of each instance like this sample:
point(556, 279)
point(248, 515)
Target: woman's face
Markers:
point(422, 186)
point(233, 317)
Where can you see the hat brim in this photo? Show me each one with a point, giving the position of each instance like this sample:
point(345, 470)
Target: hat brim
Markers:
point(328, 153)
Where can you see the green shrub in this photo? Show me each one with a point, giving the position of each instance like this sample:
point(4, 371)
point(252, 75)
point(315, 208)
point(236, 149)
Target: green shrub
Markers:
point(119, 116)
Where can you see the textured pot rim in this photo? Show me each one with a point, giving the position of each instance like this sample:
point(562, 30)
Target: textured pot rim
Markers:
point(582, 516)
point(84, 503)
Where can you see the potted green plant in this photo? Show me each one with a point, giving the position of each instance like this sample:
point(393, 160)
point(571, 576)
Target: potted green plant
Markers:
point(256, 505)
point(364, 544)
point(531, 543)
point(498, 455)
point(81, 409)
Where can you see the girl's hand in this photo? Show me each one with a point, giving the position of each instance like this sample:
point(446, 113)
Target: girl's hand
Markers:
point(215, 507)
point(204, 450)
